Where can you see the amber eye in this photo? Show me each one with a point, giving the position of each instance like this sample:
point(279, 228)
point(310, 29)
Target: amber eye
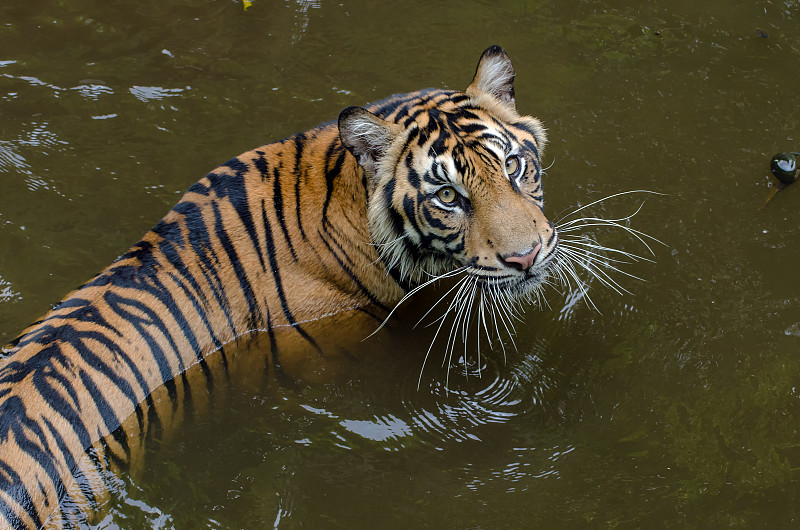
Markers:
point(447, 195)
point(512, 166)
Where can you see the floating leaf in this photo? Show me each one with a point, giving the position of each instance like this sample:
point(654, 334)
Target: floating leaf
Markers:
point(246, 4)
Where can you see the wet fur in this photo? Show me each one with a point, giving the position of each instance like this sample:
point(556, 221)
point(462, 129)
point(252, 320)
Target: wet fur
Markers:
point(343, 217)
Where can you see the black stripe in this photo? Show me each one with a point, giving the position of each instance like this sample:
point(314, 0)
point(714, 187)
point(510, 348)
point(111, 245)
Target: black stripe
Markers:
point(140, 419)
point(172, 393)
point(552, 235)
point(155, 429)
point(413, 176)
point(277, 201)
point(331, 174)
point(532, 147)
point(200, 240)
point(234, 189)
point(188, 400)
point(11, 483)
point(299, 140)
point(458, 98)
point(410, 211)
point(273, 345)
point(433, 221)
point(143, 278)
point(49, 380)
point(31, 439)
point(372, 298)
point(254, 313)
point(262, 165)
point(169, 249)
point(370, 314)
point(96, 362)
point(203, 315)
point(273, 262)
point(398, 223)
point(398, 229)
point(398, 103)
point(471, 128)
point(117, 303)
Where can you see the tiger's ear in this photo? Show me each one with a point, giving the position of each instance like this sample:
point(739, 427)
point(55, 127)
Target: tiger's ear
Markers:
point(494, 76)
point(366, 136)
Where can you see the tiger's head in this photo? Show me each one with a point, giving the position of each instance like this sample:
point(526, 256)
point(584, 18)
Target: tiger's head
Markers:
point(455, 182)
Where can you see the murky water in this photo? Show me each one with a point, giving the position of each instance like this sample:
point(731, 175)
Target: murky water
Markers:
point(674, 406)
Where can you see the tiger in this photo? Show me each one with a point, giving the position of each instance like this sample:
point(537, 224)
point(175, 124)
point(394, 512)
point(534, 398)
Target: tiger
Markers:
point(348, 217)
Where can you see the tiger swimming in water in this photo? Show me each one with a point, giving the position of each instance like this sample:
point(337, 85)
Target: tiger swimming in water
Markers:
point(350, 216)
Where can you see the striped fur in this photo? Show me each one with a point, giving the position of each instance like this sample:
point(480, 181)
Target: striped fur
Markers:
point(345, 217)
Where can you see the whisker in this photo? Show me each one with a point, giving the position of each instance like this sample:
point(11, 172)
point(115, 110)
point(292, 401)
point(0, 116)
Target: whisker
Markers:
point(598, 201)
point(502, 315)
point(603, 262)
point(638, 234)
point(481, 319)
point(491, 289)
point(428, 312)
point(493, 305)
point(591, 254)
point(387, 243)
point(459, 300)
point(569, 269)
point(601, 276)
point(619, 220)
point(411, 293)
point(451, 341)
point(586, 242)
point(461, 282)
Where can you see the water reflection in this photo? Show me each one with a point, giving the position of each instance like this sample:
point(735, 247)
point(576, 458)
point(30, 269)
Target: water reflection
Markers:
point(9, 157)
point(37, 137)
point(122, 506)
point(7, 293)
point(149, 93)
point(388, 428)
point(301, 15)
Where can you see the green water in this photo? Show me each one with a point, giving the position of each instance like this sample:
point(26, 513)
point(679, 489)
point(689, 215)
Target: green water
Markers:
point(674, 406)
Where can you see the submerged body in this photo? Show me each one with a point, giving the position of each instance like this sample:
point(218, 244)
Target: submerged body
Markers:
point(349, 216)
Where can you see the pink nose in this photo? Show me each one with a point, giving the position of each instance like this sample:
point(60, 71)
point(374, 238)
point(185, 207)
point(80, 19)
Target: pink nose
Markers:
point(527, 260)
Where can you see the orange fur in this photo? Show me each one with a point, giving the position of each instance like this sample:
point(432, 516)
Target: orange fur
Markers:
point(342, 218)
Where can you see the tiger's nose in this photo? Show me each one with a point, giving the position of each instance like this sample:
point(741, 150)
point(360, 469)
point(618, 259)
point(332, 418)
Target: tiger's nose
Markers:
point(522, 263)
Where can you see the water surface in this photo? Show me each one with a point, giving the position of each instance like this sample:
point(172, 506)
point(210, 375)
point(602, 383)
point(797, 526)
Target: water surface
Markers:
point(673, 406)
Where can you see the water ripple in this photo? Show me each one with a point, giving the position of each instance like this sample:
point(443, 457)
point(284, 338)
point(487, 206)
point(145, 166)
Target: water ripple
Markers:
point(38, 136)
point(10, 158)
point(498, 396)
point(150, 93)
point(92, 91)
point(7, 294)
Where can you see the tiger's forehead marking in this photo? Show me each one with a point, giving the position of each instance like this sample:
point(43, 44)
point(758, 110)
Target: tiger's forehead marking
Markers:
point(461, 147)
point(452, 141)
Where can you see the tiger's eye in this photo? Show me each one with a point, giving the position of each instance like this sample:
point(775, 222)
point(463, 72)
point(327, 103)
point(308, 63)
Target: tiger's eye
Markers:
point(447, 195)
point(512, 166)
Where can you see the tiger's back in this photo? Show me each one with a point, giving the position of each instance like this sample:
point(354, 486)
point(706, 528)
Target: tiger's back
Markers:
point(249, 247)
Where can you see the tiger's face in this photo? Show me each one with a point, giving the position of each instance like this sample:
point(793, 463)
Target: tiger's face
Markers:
point(459, 185)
